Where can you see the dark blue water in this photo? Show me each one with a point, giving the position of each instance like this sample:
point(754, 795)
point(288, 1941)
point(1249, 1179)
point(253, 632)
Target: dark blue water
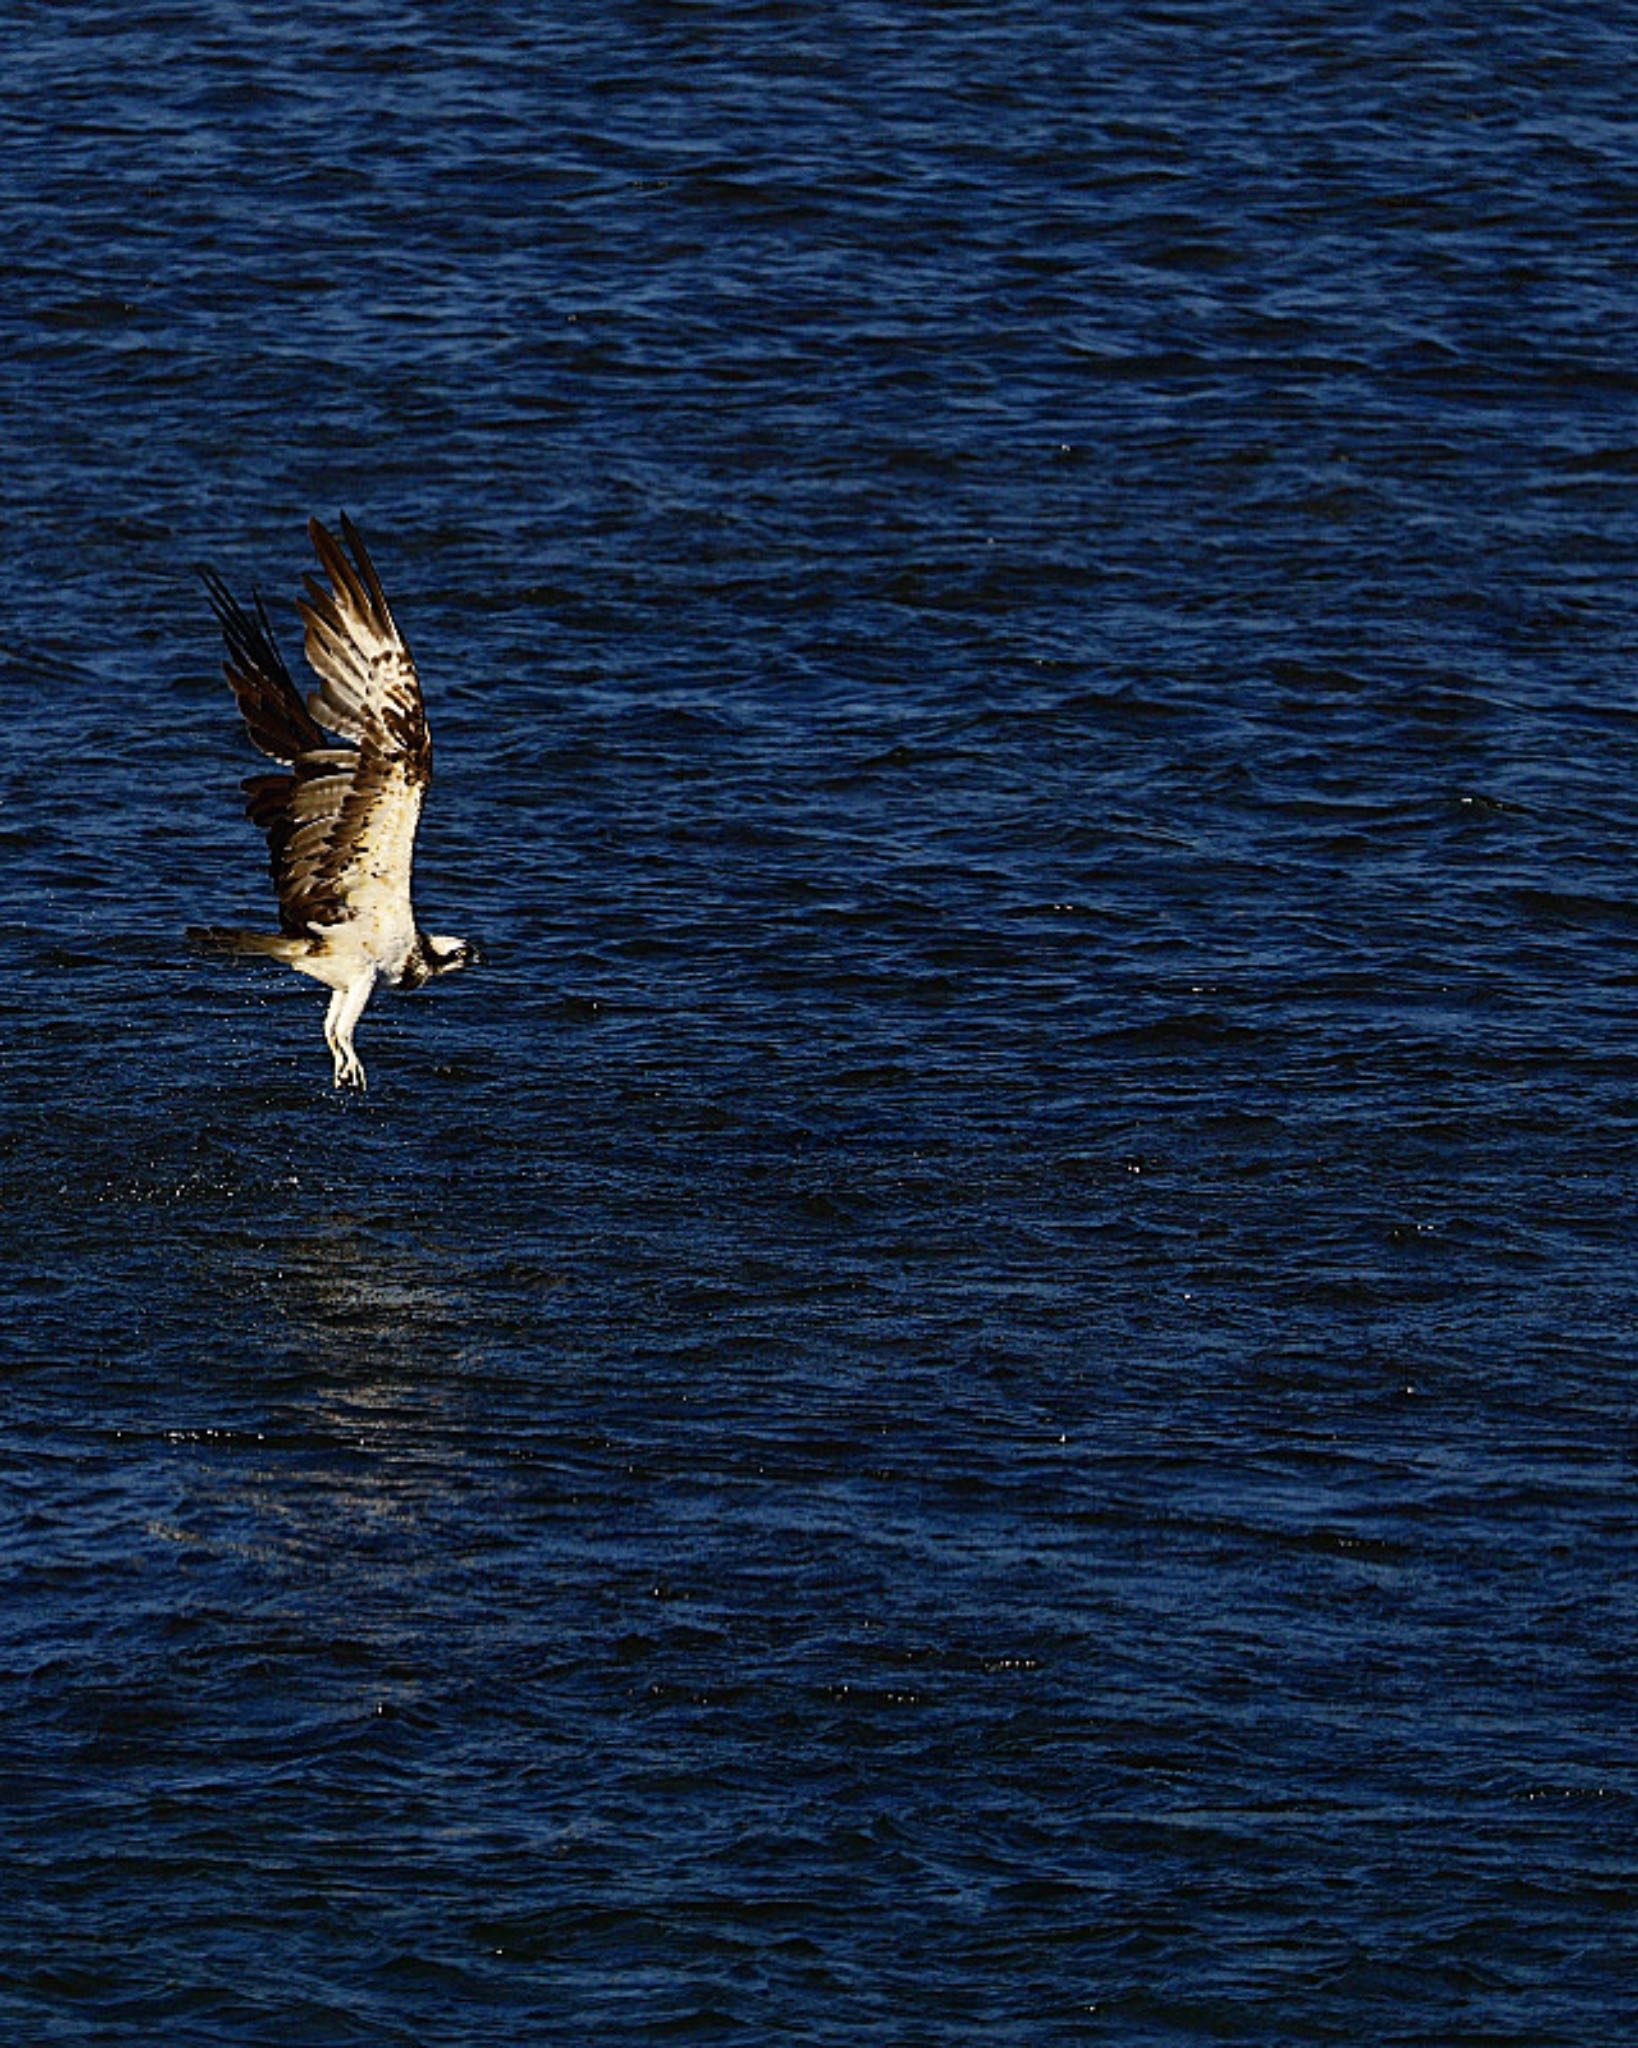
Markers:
point(983, 1390)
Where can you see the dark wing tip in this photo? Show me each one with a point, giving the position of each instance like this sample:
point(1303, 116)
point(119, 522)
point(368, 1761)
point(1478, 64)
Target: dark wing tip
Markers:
point(360, 584)
point(325, 544)
point(274, 715)
point(222, 600)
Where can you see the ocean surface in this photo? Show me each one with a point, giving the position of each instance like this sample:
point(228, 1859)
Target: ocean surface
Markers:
point(982, 1391)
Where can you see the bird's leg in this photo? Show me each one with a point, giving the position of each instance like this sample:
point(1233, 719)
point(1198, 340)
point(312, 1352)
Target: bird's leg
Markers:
point(346, 1007)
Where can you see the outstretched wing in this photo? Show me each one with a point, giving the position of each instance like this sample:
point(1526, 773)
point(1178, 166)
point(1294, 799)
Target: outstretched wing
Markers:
point(368, 686)
point(274, 715)
point(341, 821)
point(358, 844)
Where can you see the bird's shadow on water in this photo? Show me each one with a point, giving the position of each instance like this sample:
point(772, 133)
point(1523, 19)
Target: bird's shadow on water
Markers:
point(334, 1237)
point(352, 1342)
point(344, 1285)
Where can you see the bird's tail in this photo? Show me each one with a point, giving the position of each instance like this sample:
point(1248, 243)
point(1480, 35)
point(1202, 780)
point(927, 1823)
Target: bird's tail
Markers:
point(216, 938)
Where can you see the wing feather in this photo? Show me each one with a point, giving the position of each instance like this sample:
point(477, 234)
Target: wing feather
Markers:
point(368, 686)
point(270, 704)
point(341, 821)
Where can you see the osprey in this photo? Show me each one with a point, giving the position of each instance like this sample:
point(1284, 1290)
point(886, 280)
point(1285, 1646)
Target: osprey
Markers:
point(340, 817)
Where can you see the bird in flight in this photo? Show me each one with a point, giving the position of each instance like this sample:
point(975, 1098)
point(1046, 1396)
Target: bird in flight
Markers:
point(340, 815)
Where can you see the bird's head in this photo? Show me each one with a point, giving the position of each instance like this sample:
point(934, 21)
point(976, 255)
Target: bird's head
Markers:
point(445, 955)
